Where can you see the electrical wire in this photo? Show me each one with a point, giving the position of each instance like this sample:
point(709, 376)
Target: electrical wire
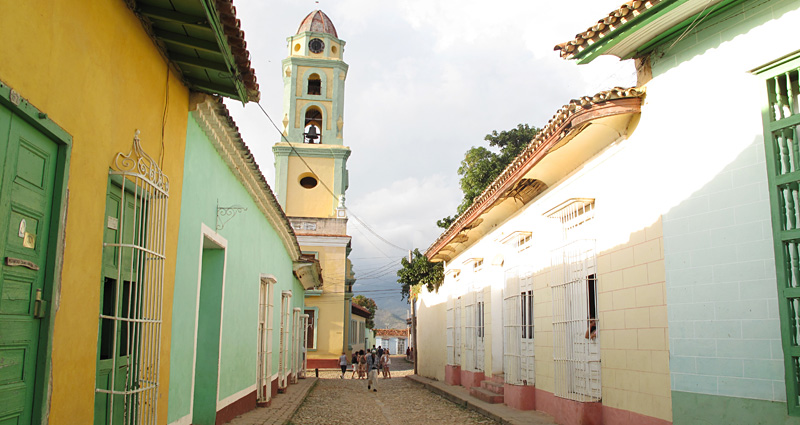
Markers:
point(328, 189)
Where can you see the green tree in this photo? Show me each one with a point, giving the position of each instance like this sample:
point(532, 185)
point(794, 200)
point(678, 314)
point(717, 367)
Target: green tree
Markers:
point(370, 305)
point(481, 166)
point(419, 271)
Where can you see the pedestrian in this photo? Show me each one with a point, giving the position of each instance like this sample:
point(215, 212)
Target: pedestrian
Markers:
point(362, 364)
point(373, 363)
point(380, 351)
point(355, 364)
point(408, 353)
point(386, 361)
point(343, 364)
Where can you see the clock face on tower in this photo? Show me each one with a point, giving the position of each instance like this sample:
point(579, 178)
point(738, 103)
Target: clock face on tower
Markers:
point(316, 45)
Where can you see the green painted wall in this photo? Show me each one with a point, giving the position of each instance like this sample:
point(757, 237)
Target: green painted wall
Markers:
point(253, 248)
point(703, 409)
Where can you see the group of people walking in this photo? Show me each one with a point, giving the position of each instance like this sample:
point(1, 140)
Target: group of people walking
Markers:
point(367, 365)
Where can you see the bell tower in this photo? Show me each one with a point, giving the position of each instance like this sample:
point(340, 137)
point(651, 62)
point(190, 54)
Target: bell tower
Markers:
point(313, 105)
point(311, 180)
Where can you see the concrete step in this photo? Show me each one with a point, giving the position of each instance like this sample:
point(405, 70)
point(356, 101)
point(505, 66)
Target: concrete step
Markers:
point(498, 378)
point(493, 387)
point(486, 395)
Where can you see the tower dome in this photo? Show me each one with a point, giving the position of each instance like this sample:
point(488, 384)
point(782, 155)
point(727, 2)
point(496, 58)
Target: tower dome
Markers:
point(317, 21)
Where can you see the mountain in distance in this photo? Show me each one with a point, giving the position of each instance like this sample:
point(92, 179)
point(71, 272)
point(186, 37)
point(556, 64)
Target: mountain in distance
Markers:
point(387, 319)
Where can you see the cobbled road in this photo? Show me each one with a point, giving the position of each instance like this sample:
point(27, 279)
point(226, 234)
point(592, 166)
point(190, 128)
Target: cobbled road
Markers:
point(398, 401)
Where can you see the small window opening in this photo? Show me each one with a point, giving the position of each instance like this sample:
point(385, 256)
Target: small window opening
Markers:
point(591, 287)
point(314, 84)
point(308, 182)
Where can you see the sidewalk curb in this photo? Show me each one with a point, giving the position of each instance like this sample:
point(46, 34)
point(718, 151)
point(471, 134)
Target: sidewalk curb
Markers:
point(302, 400)
point(467, 404)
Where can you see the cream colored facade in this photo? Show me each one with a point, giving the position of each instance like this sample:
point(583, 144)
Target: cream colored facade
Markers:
point(575, 242)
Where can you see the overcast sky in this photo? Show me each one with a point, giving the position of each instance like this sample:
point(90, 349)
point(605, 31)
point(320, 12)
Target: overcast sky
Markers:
point(428, 79)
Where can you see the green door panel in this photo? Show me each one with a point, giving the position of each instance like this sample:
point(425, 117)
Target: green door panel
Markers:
point(26, 200)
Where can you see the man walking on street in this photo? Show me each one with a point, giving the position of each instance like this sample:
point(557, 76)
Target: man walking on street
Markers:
point(373, 363)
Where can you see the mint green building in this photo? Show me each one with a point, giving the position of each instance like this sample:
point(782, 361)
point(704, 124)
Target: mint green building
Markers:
point(238, 332)
point(720, 125)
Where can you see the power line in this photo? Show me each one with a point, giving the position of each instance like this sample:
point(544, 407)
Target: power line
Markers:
point(323, 183)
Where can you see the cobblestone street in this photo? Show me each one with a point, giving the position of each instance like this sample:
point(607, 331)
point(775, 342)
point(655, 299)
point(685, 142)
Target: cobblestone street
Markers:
point(398, 401)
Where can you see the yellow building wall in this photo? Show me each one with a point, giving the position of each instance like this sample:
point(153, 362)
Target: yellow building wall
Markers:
point(634, 342)
point(314, 202)
point(90, 66)
point(431, 340)
point(543, 331)
point(331, 327)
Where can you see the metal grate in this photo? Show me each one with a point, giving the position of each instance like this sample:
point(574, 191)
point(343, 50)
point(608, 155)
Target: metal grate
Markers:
point(264, 339)
point(458, 330)
point(130, 321)
point(303, 345)
point(296, 344)
point(781, 120)
point(519, 344)
point(451, 356)
point(470, 331)
point(285, 344)
point(480, 331)
point(576, 349)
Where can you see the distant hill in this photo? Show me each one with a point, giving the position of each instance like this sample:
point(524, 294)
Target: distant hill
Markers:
point(385, 319)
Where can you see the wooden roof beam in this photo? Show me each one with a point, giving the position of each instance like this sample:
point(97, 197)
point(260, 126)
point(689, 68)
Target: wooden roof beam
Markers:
point(174, 17)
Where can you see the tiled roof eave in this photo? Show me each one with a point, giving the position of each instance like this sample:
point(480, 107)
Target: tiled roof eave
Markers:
point(604, 27)
point(556, 129)
point(233, 36)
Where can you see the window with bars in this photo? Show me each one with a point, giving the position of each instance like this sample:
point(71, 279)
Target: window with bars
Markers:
point(781, 119)
point(131, 291)
point(576, 350)
point(518, 332)
point(311, 341)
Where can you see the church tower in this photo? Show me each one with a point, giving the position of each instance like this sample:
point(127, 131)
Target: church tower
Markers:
point(311, 179)
point(313, 119)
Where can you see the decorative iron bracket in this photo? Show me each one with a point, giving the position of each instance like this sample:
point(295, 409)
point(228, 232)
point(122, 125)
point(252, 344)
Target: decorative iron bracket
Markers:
point(226, 214)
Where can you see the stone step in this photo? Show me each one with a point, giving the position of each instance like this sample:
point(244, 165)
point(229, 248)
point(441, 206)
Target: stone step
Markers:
point(493, 387)
point(486, 395)
point(498, 378)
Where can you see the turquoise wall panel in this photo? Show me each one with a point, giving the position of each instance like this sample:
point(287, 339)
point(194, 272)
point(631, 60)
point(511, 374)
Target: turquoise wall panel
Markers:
point(253, 248)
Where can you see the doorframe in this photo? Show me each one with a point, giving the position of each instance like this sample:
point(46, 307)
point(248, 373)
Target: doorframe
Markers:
point(21, 108)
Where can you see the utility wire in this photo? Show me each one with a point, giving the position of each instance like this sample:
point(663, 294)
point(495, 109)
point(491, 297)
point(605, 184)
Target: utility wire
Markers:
point(323, 183)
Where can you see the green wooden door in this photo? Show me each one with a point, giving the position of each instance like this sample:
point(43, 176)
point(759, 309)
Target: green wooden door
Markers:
point(27, 169)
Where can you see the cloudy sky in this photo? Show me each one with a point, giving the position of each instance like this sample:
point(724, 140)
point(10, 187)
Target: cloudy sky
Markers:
point(428, 79)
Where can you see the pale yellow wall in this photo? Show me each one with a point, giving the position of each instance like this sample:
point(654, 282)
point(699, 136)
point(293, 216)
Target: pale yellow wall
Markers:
point(633, 325)
point(332, 326)
point(93, 70)
point(314, 202)
point(431, 339)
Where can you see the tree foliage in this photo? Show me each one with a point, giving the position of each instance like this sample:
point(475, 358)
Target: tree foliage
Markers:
point(419, 271)
point(481, 166)
point(370, 305)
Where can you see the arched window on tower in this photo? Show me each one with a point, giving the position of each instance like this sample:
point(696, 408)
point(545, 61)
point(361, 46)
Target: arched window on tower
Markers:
point(313, 120)
point(314, 84)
